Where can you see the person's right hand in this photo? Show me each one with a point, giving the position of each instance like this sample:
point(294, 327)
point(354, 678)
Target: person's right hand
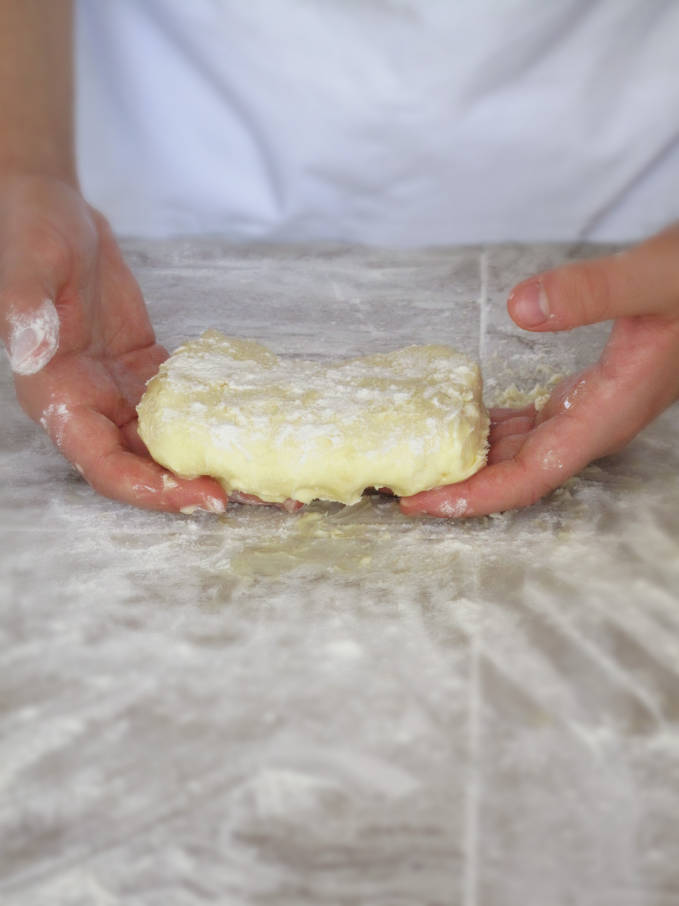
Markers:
point(80, 342)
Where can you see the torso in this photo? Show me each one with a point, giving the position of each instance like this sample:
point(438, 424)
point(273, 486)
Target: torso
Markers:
point(389, 121)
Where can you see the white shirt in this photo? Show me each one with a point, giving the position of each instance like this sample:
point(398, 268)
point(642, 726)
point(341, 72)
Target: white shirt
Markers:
point(387, 121)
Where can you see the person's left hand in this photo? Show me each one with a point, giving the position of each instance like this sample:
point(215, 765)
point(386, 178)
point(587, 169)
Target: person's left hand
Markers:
point(591, 414)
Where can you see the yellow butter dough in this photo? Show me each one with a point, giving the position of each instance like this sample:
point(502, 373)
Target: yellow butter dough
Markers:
point(284, 428)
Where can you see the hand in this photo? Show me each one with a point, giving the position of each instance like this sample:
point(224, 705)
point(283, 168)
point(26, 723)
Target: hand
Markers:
point(591, 414)
point(80, 343)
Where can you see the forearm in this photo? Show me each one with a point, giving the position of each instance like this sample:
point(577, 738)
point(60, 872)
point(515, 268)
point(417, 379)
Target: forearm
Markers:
point(36, 88)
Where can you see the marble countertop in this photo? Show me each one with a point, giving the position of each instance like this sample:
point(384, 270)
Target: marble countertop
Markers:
point(343, 706)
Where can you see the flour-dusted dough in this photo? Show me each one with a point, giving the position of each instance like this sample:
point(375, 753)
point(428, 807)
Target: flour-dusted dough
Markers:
point(284, 428)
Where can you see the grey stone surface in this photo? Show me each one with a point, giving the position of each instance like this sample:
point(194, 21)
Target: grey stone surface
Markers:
point(343, 706)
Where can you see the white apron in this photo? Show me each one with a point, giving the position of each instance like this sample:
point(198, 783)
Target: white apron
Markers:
point(383, 121)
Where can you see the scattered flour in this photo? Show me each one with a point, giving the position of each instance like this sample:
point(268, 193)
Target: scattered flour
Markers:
point(169, 484)
point(513, 397)
point(453, 509)
point(54, 420)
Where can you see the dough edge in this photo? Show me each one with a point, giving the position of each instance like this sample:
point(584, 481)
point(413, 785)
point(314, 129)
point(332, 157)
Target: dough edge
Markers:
point(331, 471)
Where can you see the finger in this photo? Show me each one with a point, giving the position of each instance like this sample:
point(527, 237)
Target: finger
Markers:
point(31, 276)
point(96, 447)
point(133, 370)
point(520, 425)
point(122, 297)
point(522, 468)
point(506, 448)
point(643, 280)
point(566, 394)
point(131, 439)
point(29, 326)
point(532, 470)
point(498, 414)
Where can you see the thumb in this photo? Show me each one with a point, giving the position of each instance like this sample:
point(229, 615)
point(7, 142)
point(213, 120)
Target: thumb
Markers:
point(30, 330)
point(29, 321)
point(644, 280)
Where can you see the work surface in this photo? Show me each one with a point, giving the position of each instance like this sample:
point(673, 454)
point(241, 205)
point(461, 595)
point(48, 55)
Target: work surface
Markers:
point(343, 706)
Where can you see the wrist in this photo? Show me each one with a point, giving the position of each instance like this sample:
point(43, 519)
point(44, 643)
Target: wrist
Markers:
point(15, 171)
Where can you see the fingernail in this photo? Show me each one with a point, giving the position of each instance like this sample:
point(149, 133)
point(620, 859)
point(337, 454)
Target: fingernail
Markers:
point(530, 304)
point(34, 339)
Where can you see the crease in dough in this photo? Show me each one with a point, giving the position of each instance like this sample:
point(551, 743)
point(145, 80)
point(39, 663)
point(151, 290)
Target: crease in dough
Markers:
point(281, 428)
